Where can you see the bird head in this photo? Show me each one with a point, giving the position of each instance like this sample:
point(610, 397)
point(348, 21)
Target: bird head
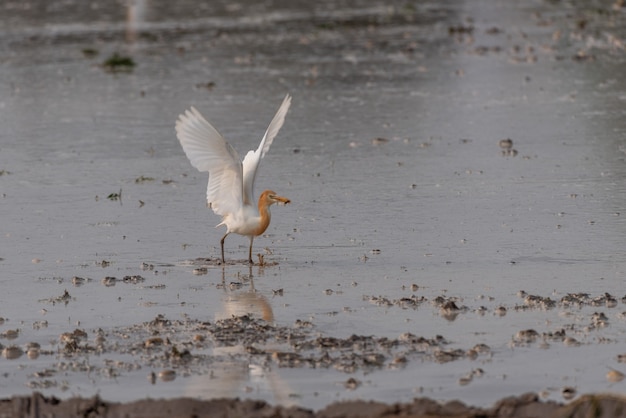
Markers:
point(270, 197)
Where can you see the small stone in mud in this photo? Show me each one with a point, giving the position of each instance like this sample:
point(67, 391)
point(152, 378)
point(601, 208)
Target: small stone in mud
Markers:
point(303, 324)
point(146, 266)
point(33, 353)
point(109, 281)
point(444, 356)
point(571, 342)
point(535, 301)
point(153, 342)
point(614, 376)
point(72, 339)
point(178, 354)
point(465, 380)
point(478, 372)
point(481, 310)
point(450, 306)
point(133, 279)
point(103, 263)
point(526, 336)
point(40, 324)
point(32, 344)
point(599, 319)
point(568, 392)
point(478, 349)
point(99, 340)
point(506, 143)
point(352, 383)
point(287, 359)
point(374, 359)
point(167, 375)
point(12, 352)
point(78, 281)
point(10, 334)
point(399, 361)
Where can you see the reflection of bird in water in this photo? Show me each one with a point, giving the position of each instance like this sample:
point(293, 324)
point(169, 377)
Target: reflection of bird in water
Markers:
point(245, 302)
point(231, 370)
point(230, 192)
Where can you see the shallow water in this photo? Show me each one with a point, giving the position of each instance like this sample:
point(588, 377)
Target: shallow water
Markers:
point(435, 203)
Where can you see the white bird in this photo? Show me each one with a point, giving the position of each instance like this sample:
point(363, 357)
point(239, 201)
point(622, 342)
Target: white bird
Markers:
point(230, 192)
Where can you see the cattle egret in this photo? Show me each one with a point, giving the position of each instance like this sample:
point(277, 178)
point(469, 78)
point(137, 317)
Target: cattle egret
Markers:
point(230, 192)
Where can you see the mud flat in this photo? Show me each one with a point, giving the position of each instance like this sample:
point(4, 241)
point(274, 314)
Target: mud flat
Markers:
point(457, 175)
point(525, 406)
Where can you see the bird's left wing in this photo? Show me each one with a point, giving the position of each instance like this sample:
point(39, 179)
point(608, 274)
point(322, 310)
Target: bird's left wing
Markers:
point(208, 151)
point(253, 158)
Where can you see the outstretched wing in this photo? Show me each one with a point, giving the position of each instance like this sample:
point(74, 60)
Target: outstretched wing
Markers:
point(253, 158)
point(208, 151)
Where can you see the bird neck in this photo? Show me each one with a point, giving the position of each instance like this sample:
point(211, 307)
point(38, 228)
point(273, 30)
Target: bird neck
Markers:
point(264, 212)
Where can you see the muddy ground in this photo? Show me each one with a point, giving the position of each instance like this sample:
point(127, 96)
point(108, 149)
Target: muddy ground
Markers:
point(525, 406)
point(456, 233)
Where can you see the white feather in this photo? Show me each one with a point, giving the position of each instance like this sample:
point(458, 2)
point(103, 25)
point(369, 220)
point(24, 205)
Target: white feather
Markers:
point(253, 158)
point(231, 182)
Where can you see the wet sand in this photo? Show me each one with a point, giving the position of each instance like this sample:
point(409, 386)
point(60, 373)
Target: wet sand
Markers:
point(456, 172)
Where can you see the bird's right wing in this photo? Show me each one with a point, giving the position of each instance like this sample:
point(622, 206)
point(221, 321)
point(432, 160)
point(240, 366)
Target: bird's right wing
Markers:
point(253, 158)
point(208, 151)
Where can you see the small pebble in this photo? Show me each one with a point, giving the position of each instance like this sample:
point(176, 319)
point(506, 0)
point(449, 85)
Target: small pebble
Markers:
point(109, 281)
point(153, 342)
point(77, 281)
point(12, 352)
point(352, 383)
point(10, 334)
point(571, 342)
point(465, 380)
point(33, 353)
point(568, 392)
point(167, 375)
point(614, 376)
point(506, 143)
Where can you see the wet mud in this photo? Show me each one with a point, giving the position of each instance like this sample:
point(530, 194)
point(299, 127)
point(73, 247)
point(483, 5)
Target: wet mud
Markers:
point(524, 406)
point(454, 246)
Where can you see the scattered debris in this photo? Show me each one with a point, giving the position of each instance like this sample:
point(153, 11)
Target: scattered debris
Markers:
point(117, 63)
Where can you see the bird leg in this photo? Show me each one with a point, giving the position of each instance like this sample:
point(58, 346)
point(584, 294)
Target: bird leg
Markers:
point(222, 242)
point(250, 251)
